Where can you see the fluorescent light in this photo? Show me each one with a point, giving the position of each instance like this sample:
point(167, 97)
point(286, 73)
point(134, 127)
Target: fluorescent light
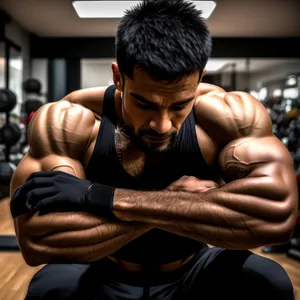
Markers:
point(116, 9)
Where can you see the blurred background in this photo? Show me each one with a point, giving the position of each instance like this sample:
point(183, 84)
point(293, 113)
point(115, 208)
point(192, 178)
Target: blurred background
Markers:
point(48, 48)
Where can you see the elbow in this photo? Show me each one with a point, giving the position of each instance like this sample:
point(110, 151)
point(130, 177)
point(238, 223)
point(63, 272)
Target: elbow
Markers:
point(286, 227)
point(289, 224)
point(283, 236)
point(281, 233)
point(33, 262)
point(33, 259)
point(281, 229)
point(32, 253)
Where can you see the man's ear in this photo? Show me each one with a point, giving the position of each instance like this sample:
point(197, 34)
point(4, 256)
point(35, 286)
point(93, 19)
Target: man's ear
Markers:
point(117, 78)
point(202, 75)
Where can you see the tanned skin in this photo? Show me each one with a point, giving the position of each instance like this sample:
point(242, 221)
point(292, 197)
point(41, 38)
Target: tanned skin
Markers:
point(60, 144)
point(257, 206)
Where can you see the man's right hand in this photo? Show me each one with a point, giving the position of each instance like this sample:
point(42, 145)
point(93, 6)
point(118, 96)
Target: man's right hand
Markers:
point(50, 191)
point(60, 191)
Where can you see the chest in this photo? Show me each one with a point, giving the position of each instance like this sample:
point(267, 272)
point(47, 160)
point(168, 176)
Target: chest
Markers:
point(135, 162)
point(195, 155)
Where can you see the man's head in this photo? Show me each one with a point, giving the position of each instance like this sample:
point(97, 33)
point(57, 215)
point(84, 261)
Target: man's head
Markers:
point(162, 47)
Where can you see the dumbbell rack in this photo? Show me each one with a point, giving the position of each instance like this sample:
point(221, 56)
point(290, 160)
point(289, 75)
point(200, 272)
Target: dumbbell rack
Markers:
point(7, 242)
point(7, 148)
point(9, 102)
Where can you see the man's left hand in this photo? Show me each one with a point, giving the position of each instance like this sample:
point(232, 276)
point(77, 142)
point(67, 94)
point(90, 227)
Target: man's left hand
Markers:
point(191, 184)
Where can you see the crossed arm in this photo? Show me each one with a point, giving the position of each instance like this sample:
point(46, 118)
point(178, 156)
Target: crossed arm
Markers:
point(257, 206)
point(60, 237)
point(64, 236)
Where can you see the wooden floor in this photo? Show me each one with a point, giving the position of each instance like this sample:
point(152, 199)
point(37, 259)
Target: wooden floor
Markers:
point(15, 275)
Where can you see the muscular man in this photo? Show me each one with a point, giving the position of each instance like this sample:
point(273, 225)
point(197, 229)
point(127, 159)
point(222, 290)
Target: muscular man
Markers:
point(125, 186)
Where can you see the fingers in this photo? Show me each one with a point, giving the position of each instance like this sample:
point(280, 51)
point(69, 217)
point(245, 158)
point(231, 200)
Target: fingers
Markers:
point(192, 184)
point(174, 187)
point(50, 174)
point(36, 183)
point(47, 203)
point(41, 174)
point(210, 184)
point(38, 195)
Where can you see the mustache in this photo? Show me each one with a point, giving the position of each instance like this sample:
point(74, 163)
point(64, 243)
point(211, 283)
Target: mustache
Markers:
point(154, 134)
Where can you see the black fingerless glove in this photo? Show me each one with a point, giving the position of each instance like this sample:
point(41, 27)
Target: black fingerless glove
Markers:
point(59, 191)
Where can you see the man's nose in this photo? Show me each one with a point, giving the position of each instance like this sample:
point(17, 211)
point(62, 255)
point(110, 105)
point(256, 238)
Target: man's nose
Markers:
point(161, 122)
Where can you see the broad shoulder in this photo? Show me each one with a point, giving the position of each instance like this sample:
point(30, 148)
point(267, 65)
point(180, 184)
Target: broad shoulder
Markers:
point(61, 128)
point(91, 98)
point(227, 116)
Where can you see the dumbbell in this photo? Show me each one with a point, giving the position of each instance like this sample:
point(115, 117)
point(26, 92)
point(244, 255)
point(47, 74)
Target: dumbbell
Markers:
point(8, 100)
point(10, 134)
point(6, 172)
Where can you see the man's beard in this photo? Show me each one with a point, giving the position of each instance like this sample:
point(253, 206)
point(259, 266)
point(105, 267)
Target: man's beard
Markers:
point(136, 139)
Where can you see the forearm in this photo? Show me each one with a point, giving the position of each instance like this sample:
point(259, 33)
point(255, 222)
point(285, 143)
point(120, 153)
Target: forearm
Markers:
point(74, 238)
point(240, 215)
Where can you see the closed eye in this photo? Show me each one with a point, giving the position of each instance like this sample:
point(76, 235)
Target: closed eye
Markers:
point(144, 106)
point(178, 107)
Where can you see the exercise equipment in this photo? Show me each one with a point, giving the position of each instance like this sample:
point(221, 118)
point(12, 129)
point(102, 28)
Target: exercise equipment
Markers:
point(32, 105)
point(9, 243)
point(10, 134)
point(276, 248)
point(6, 172)
point(8, 100)
point(32, 86)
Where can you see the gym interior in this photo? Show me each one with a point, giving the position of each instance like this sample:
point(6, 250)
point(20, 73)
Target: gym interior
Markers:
point(47, 51)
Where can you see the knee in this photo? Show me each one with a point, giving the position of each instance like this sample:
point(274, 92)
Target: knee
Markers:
point(56, 282)
point(270, 276)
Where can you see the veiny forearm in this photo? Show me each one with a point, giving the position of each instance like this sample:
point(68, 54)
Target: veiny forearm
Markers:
point(243, 214)
point(74, 237)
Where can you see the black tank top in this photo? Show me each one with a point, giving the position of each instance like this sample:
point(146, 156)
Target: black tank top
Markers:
point(185, 158)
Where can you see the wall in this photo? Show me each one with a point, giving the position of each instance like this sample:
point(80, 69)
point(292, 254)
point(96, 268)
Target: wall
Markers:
point(272, 74)
point(2, 72)
point(39, 71)
point(241, 80)
point(2, 65)
point(96, 72)
point(257, 79)
point(19, 36)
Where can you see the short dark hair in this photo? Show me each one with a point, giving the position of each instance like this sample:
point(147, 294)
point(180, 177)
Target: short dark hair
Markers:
point(167, 39)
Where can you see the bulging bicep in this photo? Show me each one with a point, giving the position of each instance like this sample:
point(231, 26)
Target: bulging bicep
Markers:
point(257, 157)
point(56, 143)
point(29, 165)
point(58, 135)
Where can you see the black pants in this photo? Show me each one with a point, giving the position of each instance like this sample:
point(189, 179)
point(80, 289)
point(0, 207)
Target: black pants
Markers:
point(212, 274)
